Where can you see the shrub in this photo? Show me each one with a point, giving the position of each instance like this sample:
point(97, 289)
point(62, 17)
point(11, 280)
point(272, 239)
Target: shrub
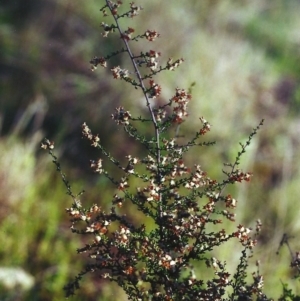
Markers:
point(186, 206)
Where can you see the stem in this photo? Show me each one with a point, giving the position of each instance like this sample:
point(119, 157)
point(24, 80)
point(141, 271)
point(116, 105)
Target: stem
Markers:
point(143, 88)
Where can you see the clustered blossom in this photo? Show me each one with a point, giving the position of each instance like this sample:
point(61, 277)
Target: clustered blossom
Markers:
point(134, 10)
point(107, 29)
point(210, 206)
point(131, 163)
point(149, 193)
point(183, 224)
point(96, 166)
point(160, 114)
point(86, 132)
point(47, 144)
point(126, 35)
point(169, 144)
point(167, 261)
point(258, 282)
point(223, 279)
point(205, 126)
point(114, 6)
point(239, 176)
point(75, 212)
point(122, 236)
point(243, 235)
point(123, 184)
point(230, 201)
point(181, 98)
point(173, 65)
point(117, 200)
point(151, 164)
point(150, 58)
point(97, 227)
point(198, 179)
point(151, 35)
point(121, 116)
point(119, 73)
point(174, 151)
point(179, 169)
point(154, 90)
point(98, 61)
point(230, 216)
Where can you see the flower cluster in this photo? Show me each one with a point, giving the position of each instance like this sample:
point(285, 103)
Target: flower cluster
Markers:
point(239, 176)
point(149, 193)
point(126, 35)
point(181, 98)
point(173, 65)
point(119, 73)
point(154, 89)
point(98, 61)
point(96, 166)
point(149, 59)
point(107, 29)
point(122, 236)
point(121, 116)
point(167, 261)
point(198, 179)
point(230, 201)
point(131, 163)
point(243, 235)
point(151, 35)
point(86, 133)
point(205, 126)
point(113, 7)
point(47, 144)
point(134, 10)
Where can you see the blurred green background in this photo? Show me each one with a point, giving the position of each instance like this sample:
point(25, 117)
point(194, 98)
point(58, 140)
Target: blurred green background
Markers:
point(244, 57)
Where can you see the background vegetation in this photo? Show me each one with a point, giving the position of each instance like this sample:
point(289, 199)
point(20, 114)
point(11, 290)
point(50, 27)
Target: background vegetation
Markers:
point(245, 59)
